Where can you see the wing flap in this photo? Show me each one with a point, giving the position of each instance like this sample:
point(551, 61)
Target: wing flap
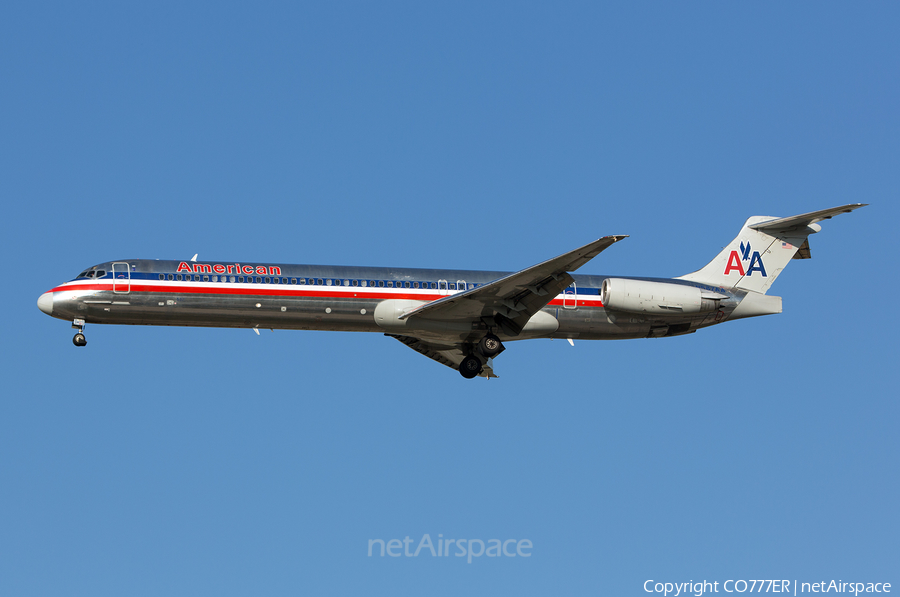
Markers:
point(449, 356)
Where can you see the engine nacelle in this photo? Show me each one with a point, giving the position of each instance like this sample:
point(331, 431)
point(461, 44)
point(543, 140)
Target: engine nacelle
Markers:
point(639, 296)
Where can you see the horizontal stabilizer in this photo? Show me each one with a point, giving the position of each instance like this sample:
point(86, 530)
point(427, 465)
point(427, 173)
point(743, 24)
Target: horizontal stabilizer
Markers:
point(804, 220)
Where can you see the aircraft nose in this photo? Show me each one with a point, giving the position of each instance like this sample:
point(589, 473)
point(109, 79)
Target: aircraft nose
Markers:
point(45, 303)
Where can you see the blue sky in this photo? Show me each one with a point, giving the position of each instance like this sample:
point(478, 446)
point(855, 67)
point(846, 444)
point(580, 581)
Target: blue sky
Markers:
point(486, 136)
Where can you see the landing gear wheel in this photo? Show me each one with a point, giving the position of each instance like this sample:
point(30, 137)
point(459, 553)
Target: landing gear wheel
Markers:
point(490, 345)
point(79, 340)
point(470, 367)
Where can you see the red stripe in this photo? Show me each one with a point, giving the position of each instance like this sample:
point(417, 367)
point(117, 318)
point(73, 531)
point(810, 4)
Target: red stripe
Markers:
point(287, 293)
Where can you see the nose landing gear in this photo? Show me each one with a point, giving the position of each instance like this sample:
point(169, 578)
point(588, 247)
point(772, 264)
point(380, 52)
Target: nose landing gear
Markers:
point(79, 339)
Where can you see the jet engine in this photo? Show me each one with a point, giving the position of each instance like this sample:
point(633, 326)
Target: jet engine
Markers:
point(639, 296)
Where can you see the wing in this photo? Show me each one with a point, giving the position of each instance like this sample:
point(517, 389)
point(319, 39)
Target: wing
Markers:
point(512, 300)
point(449, 355)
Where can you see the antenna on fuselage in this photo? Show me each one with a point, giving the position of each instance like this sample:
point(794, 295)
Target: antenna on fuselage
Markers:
point(194, 258)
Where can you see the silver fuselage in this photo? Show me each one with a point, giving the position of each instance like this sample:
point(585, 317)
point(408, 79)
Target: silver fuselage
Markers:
point(333, 298)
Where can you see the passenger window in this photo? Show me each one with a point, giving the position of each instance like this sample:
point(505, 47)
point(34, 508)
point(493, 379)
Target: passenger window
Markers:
point(319, 281)
point(452, 285)
point(415, 285)
point(215, 278)
point(206, 278)
point(258, 280)
point(231, 278)
point(162, 277)
point(293, 280)
point(171, 277)
point(381, 283)
point(346, 282)
point(355, 283)
point(178, 277)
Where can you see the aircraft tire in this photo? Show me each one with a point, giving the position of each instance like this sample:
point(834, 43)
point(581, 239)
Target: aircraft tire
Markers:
point(79, 340)
point(470, 367)
point(490, 345)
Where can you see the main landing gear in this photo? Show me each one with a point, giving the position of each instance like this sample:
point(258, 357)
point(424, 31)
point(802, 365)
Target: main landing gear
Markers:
point(79, 339)
point(470, 367)
point(489, 346)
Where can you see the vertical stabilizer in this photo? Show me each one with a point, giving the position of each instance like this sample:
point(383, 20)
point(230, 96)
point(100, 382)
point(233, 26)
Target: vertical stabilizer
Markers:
point(763, 249)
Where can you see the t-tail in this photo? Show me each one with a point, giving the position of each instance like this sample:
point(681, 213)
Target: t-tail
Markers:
point(761, 251)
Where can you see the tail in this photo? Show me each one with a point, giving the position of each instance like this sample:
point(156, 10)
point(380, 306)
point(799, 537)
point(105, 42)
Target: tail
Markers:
point(763, 248)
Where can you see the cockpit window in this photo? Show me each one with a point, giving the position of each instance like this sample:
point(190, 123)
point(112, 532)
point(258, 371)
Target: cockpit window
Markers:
point(101, 273)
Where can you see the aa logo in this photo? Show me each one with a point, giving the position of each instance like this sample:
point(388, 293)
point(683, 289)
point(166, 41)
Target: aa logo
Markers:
point(736, 262)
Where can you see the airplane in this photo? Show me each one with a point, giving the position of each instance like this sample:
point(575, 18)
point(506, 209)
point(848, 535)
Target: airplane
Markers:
point(459, 318)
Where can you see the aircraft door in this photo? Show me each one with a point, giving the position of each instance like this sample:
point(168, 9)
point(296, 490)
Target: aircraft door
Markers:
point(570, 297)
point(121, 273)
